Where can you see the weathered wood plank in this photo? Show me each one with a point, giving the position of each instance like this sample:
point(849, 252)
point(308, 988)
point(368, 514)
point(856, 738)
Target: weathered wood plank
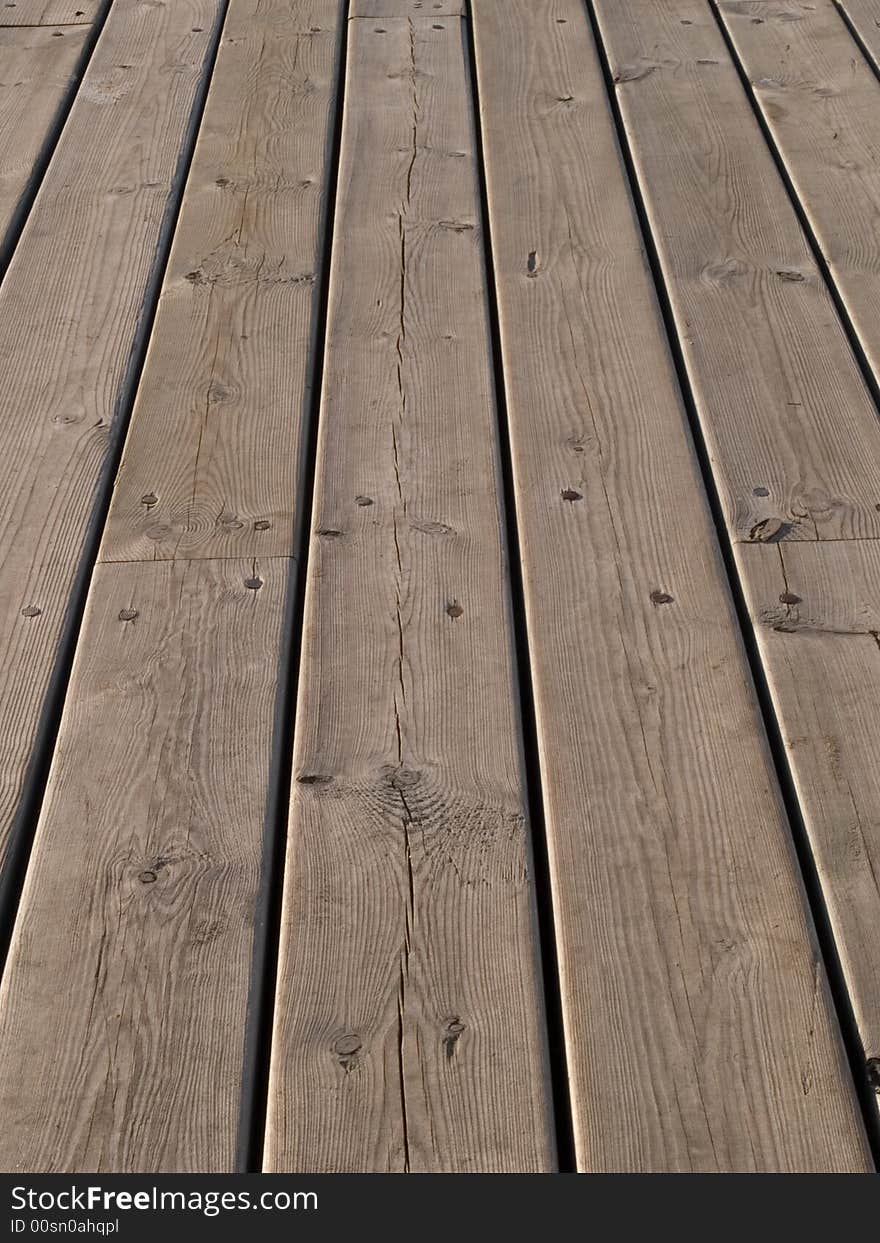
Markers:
point(684, 944)
point(767, 355)
point(181, 694)
point(746, 337)
point(36, 67)
point(228, 381)
point(69, 311)
point(818, 612)
point(407, 8)
point(48, 12)
point(409, 1025)
point(865, 18)
point(123, 1004)
point(821, 102)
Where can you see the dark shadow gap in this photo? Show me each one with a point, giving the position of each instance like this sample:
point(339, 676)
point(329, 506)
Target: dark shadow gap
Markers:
point(267, 929)
point(19, 217)
point(827, 945)
point(559, 1077)
point(24, 824)
point(866, 52)
point(852, 336)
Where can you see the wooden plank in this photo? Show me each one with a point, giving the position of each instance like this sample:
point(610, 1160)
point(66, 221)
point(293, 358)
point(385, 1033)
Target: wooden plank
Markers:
point(684, 944)
point(821, 102)
point(818, 613)
point(69, 311)
point(767, 355)
point(407, 8)
point(227, 380)
point(409, 1025)
point(180, 695)
point(745, 335)
point(123, 1003)
point(865, 18)
point(36, 67)
point(49, 12)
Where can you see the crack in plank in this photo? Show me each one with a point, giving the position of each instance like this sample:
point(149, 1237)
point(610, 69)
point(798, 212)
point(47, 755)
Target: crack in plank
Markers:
point(397, 782)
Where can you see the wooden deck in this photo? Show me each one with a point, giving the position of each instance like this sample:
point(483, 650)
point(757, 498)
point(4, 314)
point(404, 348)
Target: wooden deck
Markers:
point(440, 585)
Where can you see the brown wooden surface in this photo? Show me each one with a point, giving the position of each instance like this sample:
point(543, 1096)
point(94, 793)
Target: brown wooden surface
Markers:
point(48, 12)
point(817, 608)
point(664, 820)
point(821, 101)
point(36, 66)
point(69, 310)
point(203, 647)
point(420, 9)
point(124, 999)
point(809, 484)
point(228, 373)
point(767, 355)
point(864, 15)
point(409, 1016)
point(408, 1021)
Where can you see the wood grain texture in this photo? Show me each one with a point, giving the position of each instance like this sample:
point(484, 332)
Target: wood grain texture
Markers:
point(49, 12)
point(821, 102)
point(36, 66)
point(865, 18)
point(227, 380)
point(409, 1016)
point(791, 429)
point(123, 1003)
point(812, 679)
point(684, 945)
point(69, 311)
point(818, 613)
point(419, 9)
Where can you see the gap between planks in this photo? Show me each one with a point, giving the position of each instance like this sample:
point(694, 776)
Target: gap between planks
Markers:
point(35, 113)
point(224, 673)
point(409, 1030)
point(707, 85)
point(635, 621)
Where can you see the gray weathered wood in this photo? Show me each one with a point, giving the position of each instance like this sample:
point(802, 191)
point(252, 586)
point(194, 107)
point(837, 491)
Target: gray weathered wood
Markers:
point(768, 357)
point(409, 1019)
point(149, 968)
point(35, 72)
point(124, 1000)
point(792, 431)
point(228, 379)
point(821, 102)
point(419, 9)
point(48, 12)
point(69, 310)
point(817, 609)
point(865, 18)
point(685, 948)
